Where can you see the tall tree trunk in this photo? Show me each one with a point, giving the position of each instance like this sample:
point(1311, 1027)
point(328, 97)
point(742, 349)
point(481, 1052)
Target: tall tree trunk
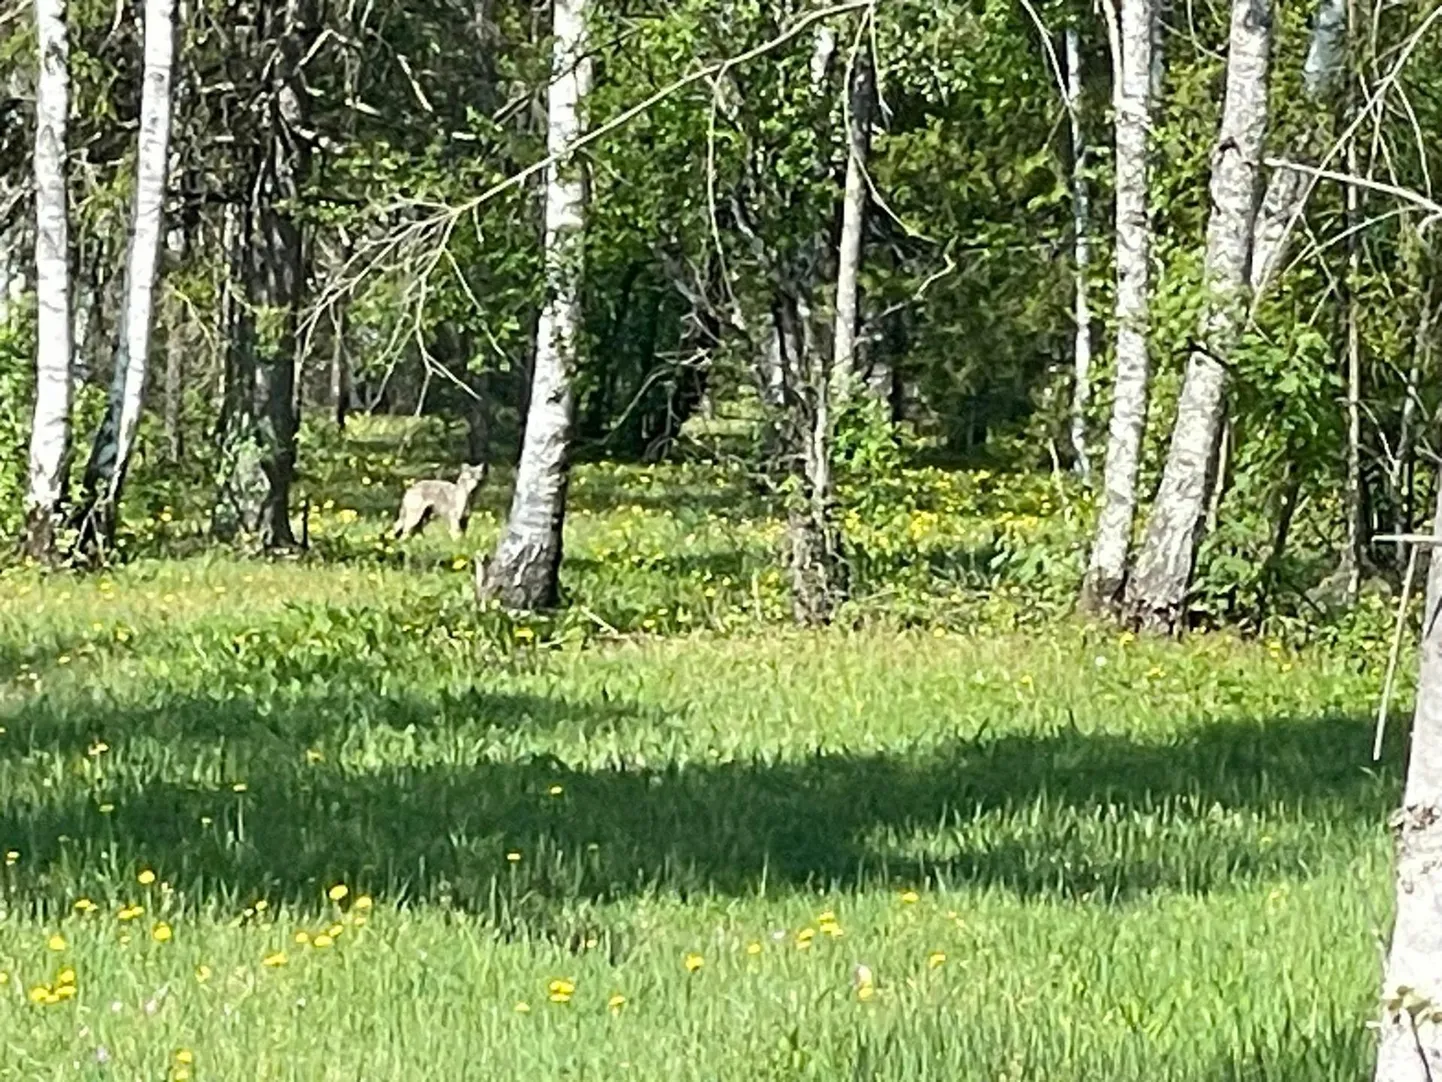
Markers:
point(259, 438)
point(1081, 249)
point(1411, 1035)
point(819, 386)
point(1156, 595)
point(854, 200)
point(817, 566)
point(1287, 189)
point(1131, 67)
point(524, 574)
point(50, 432)
point(110, 455)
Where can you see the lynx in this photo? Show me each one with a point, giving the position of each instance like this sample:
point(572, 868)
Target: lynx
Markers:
point(450, 500)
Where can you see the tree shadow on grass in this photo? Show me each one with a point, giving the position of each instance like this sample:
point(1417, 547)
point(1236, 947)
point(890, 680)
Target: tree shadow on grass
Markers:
point(1061, 814)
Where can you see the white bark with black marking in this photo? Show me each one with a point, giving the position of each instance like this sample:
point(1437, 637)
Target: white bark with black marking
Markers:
point(1156, 593)
point(1132, 79)
point(50, 430)
point(855, 197)
point(1286, 188)
point(110, 456)
point(1081, 255)
point(1411, 1032)
point(524, 572)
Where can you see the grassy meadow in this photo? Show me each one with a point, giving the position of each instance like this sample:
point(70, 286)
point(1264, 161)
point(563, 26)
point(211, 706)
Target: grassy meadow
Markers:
point(321, 819)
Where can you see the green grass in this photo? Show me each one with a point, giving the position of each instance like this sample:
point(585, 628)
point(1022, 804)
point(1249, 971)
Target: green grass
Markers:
point(1140, 860)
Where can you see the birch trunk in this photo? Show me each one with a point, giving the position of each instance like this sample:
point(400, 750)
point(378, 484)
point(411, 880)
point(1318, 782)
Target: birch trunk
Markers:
point(854, 201)
point(1156, 595)
point(50, 432)
point(1131, 66)
point(110, 455)
point(525, 570)
point(1411, 1032)
point(1081, 249)
point(820, 385)
point(1286, 189)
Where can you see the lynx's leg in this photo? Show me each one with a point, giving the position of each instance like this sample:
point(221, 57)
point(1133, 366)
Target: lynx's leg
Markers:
point(412, 515)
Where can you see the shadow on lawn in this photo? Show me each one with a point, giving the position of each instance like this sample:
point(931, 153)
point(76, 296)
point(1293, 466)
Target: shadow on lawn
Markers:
point(1063, 815)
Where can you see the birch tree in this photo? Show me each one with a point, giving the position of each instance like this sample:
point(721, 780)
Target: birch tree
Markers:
point(1081, 254)
point(1411, 1025)
point(110, 456)
point(1131, 41)
point(50, 431)
point(1287, 189)
point(525, 570)
point(854, 199)
point(1156, 594)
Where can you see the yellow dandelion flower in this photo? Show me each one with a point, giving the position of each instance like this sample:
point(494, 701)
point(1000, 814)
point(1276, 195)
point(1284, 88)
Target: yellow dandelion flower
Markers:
point(56, 942)
point(98, 749)
point(616, 1002)
point(323, 941)
point(513, 857)
point(362, 903)
point(753, 948)
point(85, 905)
point(185, 1056)
point(145, 878)
point(4, 978)
point(130, 912)
point(556, 790)
point(936, 958)
point(865, 991)
point(804, 938)
point(65, 976)
point(39, 993)
point(275, 960)
point(910, 897)
point(261, 905)
point(105, 809)
point(12, 856)
point(162, 932)
point(693, 962)
point(180, 1073)
point(202, 974)
point(523, 1007)
point(338, 892)
point(302, 937)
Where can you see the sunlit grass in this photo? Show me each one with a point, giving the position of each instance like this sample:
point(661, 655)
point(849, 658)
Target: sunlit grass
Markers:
point(319, 818)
